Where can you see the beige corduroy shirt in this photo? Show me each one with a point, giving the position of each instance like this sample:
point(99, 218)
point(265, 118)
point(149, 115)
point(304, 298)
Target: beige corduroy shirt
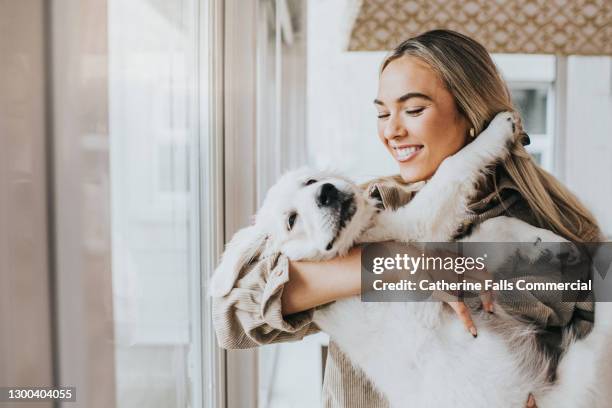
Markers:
point(250, 315)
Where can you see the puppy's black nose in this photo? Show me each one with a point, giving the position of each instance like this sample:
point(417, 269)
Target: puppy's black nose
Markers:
point(328, 195)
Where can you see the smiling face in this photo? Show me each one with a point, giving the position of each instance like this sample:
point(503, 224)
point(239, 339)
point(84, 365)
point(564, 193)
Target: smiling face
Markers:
point(418, 121)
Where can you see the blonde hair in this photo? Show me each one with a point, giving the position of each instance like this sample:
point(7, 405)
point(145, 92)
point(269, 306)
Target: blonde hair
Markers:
point(479, 91)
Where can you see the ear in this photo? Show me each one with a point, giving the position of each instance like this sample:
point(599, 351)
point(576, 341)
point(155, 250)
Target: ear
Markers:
point(245, 245)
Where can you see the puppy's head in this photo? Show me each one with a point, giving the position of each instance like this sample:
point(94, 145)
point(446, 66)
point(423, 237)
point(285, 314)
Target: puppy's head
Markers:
point(313, 214)
point(307, 214)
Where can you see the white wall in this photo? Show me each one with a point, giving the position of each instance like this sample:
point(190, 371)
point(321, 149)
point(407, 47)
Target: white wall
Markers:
point(588, 148)
point(341, 88)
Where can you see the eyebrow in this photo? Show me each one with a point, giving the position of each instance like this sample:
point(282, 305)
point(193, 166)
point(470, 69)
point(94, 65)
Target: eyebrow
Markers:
point(405, 97)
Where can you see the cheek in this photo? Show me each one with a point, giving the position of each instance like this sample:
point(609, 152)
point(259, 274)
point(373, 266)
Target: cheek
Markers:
point(448, 146)
point(442, 137)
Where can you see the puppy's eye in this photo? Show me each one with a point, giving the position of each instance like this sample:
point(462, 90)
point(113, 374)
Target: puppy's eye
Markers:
point(291, 221)
point(309, 182)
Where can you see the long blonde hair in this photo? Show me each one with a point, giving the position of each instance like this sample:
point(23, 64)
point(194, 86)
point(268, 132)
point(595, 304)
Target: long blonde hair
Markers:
point(479, 91)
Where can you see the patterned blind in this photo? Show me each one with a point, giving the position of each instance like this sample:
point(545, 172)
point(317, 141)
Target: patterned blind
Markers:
point(562, 27)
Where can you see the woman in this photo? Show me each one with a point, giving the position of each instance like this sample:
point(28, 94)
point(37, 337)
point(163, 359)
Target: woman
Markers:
point(436, 93)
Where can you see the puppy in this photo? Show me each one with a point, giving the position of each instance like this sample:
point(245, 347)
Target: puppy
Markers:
point(416, 354)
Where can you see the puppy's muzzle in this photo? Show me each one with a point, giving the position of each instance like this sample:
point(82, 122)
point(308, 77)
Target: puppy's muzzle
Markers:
point(328, 196)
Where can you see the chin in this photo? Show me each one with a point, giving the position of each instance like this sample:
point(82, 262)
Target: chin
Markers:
point(413, 175)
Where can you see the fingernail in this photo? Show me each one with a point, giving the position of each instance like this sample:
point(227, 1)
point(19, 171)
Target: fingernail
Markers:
point(473, 331)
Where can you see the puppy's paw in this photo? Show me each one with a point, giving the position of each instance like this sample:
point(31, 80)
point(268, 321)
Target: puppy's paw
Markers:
point(489, 147)
point(502, 131)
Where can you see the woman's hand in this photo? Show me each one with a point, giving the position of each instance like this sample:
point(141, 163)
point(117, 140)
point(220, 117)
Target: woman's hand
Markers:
point(455, 299)
point(463, 312)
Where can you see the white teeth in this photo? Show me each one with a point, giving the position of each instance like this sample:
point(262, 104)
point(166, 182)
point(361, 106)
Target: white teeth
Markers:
point(405, 152)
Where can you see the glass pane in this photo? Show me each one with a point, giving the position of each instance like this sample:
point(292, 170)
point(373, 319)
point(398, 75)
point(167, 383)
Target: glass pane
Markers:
point(100, 203)
point(537, 157)
point(531, 104)
point(152, 98)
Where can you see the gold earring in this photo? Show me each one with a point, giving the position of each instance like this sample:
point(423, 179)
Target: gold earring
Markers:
point(472, 133)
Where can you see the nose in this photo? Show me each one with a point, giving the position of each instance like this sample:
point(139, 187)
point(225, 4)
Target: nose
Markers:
point(394, 128)
point(328, 195)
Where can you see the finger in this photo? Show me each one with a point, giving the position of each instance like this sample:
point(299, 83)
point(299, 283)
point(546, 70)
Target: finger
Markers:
point(531, 403)
point(443, 296)
point(487, 301)
point(466, 317)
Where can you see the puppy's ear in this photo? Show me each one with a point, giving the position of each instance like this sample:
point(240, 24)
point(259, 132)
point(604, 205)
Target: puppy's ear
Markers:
point(245, 246)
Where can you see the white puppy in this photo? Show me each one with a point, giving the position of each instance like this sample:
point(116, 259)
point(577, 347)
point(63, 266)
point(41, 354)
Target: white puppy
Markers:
point(416, 354)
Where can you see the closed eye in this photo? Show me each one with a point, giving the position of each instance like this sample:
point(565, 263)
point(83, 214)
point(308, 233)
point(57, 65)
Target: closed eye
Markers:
point(414, 112)
point(309, 182)
point(291, 221)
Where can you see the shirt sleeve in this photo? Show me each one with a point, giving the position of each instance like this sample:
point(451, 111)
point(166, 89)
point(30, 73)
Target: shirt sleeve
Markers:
point(390, 193)
point(250, 314)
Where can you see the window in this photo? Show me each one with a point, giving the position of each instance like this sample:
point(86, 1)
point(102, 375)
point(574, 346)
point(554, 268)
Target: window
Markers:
point(134, 185)
point(532, 101)
point(153, 140)
point(165, 178)
point(531, 79)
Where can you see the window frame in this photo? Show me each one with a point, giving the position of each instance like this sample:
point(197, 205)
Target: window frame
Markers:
point(239, 182)
point(208, 168)
point(264, 131)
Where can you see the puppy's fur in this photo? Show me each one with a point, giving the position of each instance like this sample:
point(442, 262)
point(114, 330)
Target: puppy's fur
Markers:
point(417, 354)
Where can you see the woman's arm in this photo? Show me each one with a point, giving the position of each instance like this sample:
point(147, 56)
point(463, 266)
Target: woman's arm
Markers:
point(313, 284)
point(250, 314)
